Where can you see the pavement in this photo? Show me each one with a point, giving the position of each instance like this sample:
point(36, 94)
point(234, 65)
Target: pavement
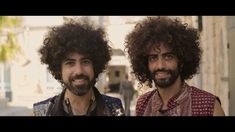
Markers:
point(20, 106)
point(15, 111)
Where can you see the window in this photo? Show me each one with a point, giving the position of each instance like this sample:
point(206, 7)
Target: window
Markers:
point(5, 80)
point(5, 75)
point(200, 23)
point(117, 73)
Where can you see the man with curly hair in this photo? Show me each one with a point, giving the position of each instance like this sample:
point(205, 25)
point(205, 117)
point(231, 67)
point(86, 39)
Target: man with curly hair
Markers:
point(76, 53)
point(167, 52)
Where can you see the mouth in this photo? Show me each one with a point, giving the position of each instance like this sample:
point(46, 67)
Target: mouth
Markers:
point(79, 81)
point(161, 75)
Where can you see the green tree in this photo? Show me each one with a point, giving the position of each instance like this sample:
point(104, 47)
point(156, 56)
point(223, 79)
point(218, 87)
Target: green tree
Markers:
point(9, 46)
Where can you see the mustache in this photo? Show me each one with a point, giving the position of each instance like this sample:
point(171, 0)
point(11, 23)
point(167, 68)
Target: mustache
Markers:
point(161, 70)
point(81, 76)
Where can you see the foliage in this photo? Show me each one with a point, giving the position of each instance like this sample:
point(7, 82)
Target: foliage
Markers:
point(9, 46)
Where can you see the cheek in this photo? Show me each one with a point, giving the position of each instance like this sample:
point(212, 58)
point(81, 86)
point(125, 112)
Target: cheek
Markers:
point(90, 72)
point(150, 67)
point(65, 74)
point(174, 67)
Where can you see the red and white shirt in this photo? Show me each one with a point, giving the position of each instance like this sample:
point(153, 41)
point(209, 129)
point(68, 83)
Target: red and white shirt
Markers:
point(189, 101)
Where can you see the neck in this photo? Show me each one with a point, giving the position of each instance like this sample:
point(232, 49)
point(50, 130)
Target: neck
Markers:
point(168, 92)
point(79, 104)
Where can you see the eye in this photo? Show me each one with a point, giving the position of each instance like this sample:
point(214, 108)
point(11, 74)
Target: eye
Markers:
point(86, 61)
point(69, 63)
point(169, 57)
point(152, 58)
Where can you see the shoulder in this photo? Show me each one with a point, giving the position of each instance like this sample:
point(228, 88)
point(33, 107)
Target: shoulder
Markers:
point(202, 102)
point(112, 100)
point(199, 95)
point(142, 102)
point(41, 108)
point(146, 96)
point(43, 101)
point(213, 102)
point(202, 93)
point(114, 105)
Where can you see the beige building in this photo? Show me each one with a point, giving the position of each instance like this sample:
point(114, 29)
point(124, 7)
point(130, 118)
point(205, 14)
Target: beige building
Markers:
point(217, 68)
point(214, 68)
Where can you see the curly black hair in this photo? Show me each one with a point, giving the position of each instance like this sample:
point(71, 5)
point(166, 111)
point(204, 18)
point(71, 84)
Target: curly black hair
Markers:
point(183, 40)
point(80, 36)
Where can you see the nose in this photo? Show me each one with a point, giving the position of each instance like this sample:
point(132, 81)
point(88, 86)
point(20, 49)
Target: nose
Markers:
point(160, 63)
point(78, 69)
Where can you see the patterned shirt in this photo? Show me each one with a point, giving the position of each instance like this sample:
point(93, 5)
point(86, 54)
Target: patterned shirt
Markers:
point(189, 101)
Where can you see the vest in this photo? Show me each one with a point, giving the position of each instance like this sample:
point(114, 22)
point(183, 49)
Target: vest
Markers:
point(202, 102)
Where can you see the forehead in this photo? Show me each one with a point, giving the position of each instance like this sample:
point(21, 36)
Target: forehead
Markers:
point(75, 55)
point(159, 49)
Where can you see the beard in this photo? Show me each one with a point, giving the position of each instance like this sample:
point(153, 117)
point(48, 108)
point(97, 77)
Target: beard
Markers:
point(79, 90)
point(165, 82)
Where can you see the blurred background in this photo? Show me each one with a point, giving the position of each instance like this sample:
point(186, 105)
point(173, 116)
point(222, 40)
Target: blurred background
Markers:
point(24, 80)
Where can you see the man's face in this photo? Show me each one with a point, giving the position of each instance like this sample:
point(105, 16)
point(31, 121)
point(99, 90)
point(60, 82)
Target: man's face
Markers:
point(78, 74)
point(163, 66)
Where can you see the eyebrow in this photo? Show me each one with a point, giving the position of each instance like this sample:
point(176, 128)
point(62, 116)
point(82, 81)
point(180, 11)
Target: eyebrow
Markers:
point(67, 59)
point(166, 53)
point(169, 53)
point(70, 59)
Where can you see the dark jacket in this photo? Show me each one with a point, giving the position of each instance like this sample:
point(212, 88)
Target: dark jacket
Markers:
point(105, 106)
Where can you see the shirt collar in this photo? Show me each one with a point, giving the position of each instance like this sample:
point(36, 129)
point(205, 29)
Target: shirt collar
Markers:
point(91, 107)
point(173, 101)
